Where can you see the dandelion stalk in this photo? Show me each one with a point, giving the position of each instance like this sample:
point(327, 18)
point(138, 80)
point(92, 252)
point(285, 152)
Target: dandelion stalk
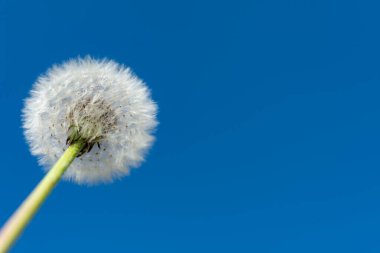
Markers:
point(20, 219)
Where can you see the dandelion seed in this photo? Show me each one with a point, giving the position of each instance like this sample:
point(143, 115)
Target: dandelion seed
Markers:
point(102, 103)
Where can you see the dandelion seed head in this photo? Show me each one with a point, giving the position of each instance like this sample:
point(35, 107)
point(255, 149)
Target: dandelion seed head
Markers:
point(98, 101)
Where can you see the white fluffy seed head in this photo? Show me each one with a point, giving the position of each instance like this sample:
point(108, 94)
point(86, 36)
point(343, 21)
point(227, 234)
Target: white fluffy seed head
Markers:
point(100, 102)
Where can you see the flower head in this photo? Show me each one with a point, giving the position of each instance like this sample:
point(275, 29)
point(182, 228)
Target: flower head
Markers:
point(99, 103)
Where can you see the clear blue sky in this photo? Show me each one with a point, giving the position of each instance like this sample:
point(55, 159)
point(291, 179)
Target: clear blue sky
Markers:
point(270, 125)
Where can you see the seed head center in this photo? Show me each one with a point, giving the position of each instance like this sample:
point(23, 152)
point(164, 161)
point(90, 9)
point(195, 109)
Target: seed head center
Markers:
point(90, 120)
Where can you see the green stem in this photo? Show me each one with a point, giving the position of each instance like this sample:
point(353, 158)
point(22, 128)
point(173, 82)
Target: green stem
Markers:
point(22, 216)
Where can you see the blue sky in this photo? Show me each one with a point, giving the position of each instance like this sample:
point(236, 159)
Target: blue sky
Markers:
point(269, 138)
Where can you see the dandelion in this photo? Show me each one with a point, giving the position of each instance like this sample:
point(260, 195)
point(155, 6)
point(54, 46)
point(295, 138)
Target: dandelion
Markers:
point(96, 117)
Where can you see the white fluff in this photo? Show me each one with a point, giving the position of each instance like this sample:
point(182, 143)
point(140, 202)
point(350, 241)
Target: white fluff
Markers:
point(52, 108)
